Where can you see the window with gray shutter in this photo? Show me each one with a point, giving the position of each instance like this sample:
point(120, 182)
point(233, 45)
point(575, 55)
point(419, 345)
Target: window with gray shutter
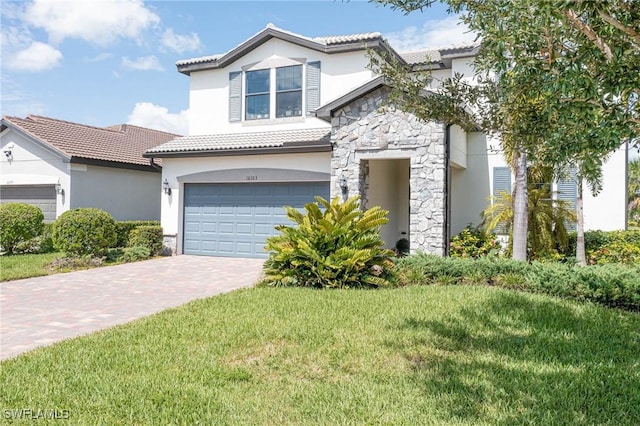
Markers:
point(313, 86)
point(235, 96)
point(501, 180)
point(501, 184)
point(568, 191)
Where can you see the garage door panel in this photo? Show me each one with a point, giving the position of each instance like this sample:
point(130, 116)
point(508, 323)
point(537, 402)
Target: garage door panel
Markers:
point(41, 196)
point(245, 215)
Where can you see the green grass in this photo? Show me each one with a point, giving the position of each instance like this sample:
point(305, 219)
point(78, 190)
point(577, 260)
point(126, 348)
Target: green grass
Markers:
point(416, 355)
point(14, 267)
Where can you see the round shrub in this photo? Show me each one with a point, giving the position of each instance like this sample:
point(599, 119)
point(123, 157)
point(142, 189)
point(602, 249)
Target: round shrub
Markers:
point(147, 236)
point(84, 231)
point(19, 222)
point(473, 243)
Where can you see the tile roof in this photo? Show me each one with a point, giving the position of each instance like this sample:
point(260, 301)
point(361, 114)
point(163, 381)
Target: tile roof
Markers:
point(123, 143)
point(327, 41)
point(346, 38)
point(439, 54)
point(243, 141)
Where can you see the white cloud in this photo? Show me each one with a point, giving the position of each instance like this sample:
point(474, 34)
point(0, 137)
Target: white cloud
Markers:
point(433, 34)
point(143, 63)
point(99, 57)
point(36, 57)
point(180, 43)
point(16, 101)
point(146, 114)
point(95, 21)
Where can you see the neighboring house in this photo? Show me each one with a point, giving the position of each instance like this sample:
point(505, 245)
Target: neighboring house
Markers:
point(283, 117)
point(58, 165)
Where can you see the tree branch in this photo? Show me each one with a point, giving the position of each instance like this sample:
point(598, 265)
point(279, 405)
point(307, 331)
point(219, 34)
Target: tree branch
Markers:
point(635, 37)
point(587, 31)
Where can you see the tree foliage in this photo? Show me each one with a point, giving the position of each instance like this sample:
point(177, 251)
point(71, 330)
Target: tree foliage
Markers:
point(560, 86)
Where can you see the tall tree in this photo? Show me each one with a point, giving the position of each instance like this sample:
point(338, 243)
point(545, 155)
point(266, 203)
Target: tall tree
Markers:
point(566, 78)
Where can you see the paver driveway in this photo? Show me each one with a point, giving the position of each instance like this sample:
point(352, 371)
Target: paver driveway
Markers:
point(39, 311)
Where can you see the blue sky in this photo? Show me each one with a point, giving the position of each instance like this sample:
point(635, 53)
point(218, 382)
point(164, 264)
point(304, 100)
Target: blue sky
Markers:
point(110, 62)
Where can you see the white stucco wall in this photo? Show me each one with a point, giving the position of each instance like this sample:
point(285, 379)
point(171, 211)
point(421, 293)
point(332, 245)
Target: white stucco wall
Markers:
point(125, 194)
point(472, 187)
point(209, 95)
point(458, 146)
point(174, 168)
point(607, 211)
point(33, 164)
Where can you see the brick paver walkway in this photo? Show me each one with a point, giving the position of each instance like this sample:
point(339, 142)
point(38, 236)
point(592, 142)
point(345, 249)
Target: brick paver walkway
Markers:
point(40, 311)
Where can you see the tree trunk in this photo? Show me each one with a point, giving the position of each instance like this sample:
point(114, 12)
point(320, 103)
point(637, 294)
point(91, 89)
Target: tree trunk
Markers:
point(520, 209)
point(580, 252)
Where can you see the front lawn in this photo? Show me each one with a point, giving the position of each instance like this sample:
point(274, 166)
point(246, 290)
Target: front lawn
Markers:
point(417, 355)
point(14, 267)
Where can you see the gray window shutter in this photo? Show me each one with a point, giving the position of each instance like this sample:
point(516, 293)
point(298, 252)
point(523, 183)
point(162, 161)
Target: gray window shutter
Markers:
point(568, 191)
point(313, 86)
point(501, 184)
point(235, 96)
point(501, 180)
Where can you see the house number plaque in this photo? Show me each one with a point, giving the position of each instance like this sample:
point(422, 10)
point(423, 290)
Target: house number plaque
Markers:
point(252, 177)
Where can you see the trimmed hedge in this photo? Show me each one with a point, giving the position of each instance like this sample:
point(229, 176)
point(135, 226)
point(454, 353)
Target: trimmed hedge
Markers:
point(19, 222)
point(84, 231)
point(611, 285)
point(149, 237)
point(124, 228)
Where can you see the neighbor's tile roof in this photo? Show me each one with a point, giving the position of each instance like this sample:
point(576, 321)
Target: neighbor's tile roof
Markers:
point(233, 141)
point(123, 143)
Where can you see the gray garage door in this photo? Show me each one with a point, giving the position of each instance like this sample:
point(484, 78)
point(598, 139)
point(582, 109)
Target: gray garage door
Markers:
point(42, 196)
point(235, 219)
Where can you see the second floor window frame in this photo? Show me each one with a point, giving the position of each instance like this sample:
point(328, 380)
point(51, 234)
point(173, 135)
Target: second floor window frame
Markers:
point(258, 95)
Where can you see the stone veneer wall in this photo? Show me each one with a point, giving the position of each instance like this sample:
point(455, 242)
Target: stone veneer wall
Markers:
point(362, 132)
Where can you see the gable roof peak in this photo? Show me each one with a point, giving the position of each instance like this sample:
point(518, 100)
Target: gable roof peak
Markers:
point(327, 44)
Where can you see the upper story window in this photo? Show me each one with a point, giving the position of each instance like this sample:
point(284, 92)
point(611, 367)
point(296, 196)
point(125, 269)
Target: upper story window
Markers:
point(296, 89)
point(289, 91)
point(257, 97)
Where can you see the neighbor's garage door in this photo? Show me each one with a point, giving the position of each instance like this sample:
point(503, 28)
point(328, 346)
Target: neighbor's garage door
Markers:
point(235, 219)
point(42, 196)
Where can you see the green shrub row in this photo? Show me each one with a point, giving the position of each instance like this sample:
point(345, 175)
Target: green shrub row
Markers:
point(594, 240)
point(124, 228)
point(603, 247)
point(609, 285)
point(78, 232)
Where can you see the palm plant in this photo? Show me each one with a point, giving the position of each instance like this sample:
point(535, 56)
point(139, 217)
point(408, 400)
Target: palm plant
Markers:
point(547, 218)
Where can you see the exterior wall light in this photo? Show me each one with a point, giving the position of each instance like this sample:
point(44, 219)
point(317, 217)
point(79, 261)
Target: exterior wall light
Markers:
point(343, 186)
point(59, 189)
point(166, 187)
point(8, 154)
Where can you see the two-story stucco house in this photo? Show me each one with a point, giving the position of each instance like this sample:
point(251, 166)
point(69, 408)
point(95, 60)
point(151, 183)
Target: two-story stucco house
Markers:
point(282, 117)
